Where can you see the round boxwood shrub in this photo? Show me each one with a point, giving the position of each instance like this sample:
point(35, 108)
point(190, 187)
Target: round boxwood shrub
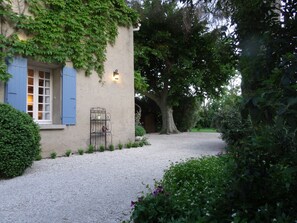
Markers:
point(139, 130)
point(19, 141)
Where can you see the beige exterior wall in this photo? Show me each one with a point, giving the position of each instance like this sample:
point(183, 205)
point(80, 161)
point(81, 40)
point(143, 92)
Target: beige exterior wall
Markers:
point(116, 97)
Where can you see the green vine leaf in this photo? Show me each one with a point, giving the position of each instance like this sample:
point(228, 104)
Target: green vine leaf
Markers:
point(62, 30)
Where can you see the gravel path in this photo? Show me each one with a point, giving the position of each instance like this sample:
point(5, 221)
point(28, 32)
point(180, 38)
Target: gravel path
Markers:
point(96, 187)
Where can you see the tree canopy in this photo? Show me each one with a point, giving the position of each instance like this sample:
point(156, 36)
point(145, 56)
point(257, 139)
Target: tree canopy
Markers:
point(176, 55)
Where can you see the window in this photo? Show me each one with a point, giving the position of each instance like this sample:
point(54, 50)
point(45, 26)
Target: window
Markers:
point(39, 95)
point(46, 92)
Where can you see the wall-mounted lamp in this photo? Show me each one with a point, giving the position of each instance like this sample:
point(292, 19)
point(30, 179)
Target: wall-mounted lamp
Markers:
point(116, 75)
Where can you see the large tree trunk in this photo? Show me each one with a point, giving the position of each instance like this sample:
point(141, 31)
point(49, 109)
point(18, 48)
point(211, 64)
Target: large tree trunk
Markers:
point(168, 125)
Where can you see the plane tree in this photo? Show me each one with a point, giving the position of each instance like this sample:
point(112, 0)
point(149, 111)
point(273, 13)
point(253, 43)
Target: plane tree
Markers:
point(177, 55)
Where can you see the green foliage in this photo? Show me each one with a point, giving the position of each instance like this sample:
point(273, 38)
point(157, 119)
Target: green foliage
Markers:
point(268, 58)
point(139, 130)
point(140, 82)
point(38, 157)
point(68, 152)
point(145, 141)
point(232, 127)
point(135, 144)
point(129, 145)
point(189, 193)
point(19, 141)
point(101, 148)
point(178, 57)
point(90, 149)
point(64, 30)
point(53, 155)
point(120, 146)
point(229, 98)
point(186, 113)
point(265, 176)
point(80, 151)
point(111, 147)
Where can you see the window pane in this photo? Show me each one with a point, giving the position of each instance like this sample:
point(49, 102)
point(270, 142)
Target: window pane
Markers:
point(30, 73)
point(47, 116)
point(47, 108)
point(30, 99)
point(47, 83)
point(41, 82)
point(40, 91)
point(41, 74)
point(47, 99)
point(31, 114)
point(40, 99)
point(30, 81)
point(47, 91)
point(39, 115)
point(47, 75)
point(30, 90)
point(30, 108)
point(40, 107)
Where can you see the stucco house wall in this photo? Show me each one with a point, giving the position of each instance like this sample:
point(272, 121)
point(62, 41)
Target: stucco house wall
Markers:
point(117, 97)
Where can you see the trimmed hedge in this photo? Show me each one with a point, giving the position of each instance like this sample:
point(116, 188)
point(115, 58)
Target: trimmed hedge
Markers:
point(19, 141)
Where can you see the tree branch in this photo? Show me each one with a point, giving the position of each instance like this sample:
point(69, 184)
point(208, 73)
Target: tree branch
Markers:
point(153, 97)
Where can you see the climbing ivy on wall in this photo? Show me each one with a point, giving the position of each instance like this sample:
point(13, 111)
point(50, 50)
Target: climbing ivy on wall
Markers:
point(61, 30)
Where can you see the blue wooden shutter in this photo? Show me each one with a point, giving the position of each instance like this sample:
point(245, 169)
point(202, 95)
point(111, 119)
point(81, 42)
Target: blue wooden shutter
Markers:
point(16, 87)
point(68, 96)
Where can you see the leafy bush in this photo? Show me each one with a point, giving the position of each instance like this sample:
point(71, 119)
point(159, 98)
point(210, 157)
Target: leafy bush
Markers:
point(80, 151)
point(19, 141)
point(135, 144)
point(101, 148)
point(111, 147)
point(265, 176)
point(188, 192)
point(68, 152)
point(139, 130)
point(120, 146)
point(53, 155)
point(229, 123)
point(145, 141)
point(38, 157)
point(90, 149)
point(129, 145)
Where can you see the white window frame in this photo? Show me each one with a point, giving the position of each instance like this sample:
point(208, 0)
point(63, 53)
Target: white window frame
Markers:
point(36, 94)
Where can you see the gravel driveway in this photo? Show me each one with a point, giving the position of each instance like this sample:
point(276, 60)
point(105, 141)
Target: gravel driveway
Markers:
point(96, 187)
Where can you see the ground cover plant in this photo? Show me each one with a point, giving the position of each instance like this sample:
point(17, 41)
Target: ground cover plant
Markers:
point(19, 141)
point(68, 152)
point(53, 155)
point(111, 147)
point(80, 151)
point(90, 149)
point(101, 148)
point(120, 146)
point(189, 192)
point(139, 131)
